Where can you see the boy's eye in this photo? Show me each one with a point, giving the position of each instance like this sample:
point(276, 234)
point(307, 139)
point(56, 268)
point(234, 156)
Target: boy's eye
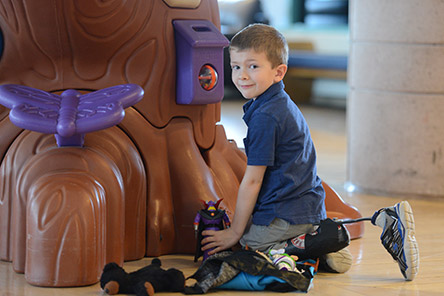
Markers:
point(254, 66)
point(235, 67)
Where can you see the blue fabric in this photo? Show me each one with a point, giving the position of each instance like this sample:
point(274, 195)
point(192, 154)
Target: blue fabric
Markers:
point(278, 137)
point(248, 282)
point(311, 60)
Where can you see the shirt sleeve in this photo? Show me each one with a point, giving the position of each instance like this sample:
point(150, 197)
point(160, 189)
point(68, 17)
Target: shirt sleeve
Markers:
point(262, 138)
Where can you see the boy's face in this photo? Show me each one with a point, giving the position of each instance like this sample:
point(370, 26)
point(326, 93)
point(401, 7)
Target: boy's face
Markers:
point(252, 72)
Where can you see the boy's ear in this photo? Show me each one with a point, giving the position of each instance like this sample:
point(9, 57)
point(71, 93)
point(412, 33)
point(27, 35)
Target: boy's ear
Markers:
point(281, 70)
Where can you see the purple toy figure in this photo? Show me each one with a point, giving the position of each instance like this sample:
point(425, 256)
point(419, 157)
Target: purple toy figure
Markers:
point(210, 218)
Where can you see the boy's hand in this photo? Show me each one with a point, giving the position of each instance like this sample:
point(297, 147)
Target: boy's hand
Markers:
point(246, 199)
point(219, 240)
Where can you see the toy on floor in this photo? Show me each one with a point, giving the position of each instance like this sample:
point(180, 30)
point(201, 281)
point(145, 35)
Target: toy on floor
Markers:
point(282, 260)
point(142, 282)
point(209, 218)
point(248, 270)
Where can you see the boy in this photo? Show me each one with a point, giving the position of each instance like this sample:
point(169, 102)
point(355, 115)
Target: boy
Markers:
point(280, 190)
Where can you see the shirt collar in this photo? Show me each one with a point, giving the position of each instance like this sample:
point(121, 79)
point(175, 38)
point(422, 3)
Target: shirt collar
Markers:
point(252, 105)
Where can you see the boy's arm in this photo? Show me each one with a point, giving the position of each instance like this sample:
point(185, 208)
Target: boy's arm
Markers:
point(246, 200)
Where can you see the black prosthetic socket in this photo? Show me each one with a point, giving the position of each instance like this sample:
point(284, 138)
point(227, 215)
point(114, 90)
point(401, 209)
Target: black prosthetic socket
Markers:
point(329, 237)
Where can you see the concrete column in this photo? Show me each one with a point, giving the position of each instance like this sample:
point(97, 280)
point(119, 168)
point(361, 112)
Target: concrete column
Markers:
point(395, 109)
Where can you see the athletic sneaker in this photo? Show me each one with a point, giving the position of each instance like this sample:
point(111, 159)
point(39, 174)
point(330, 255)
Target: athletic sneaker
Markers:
point(338, 262)
point(398, 236)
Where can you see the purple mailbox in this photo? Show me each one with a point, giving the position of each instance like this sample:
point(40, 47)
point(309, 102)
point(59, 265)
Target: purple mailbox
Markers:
point(199, 59)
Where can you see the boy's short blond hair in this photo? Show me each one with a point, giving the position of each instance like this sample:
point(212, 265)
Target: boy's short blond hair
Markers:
point(262, 38)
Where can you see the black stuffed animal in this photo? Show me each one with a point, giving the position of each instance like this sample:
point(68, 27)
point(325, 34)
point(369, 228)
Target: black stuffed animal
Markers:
point(142, 282)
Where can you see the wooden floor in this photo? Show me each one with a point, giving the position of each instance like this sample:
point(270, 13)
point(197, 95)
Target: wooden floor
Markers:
point(373, 271)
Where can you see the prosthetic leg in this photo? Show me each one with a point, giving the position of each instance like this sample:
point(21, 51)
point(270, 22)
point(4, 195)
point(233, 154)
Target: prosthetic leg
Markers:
point(398, 238)
point(330, 236)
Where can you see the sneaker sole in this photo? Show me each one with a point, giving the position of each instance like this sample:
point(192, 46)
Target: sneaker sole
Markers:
point(411, 251)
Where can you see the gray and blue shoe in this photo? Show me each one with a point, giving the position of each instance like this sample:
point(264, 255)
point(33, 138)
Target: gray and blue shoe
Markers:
point(398, 236)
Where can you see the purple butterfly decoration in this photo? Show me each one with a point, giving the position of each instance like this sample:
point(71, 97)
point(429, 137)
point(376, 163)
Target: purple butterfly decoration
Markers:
point(70, 115)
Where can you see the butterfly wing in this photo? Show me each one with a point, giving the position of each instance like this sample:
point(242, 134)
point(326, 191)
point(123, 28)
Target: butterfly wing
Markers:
point(31, 108)
point(34, 119)
point(98, 118)
point(37, 110)
point(12, 95)
point(105, 108)
point(125, 94)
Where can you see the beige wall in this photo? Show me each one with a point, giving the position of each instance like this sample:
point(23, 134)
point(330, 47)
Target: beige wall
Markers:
point(396, 100)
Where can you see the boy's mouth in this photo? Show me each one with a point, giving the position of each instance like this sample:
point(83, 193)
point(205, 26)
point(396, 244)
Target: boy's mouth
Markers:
point(246, 86)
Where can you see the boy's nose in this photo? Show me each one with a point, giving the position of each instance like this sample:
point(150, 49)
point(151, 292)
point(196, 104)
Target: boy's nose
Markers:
point(243, 75)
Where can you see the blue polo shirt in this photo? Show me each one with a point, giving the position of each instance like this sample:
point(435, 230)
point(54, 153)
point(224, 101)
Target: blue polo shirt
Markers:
point(278, 137)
